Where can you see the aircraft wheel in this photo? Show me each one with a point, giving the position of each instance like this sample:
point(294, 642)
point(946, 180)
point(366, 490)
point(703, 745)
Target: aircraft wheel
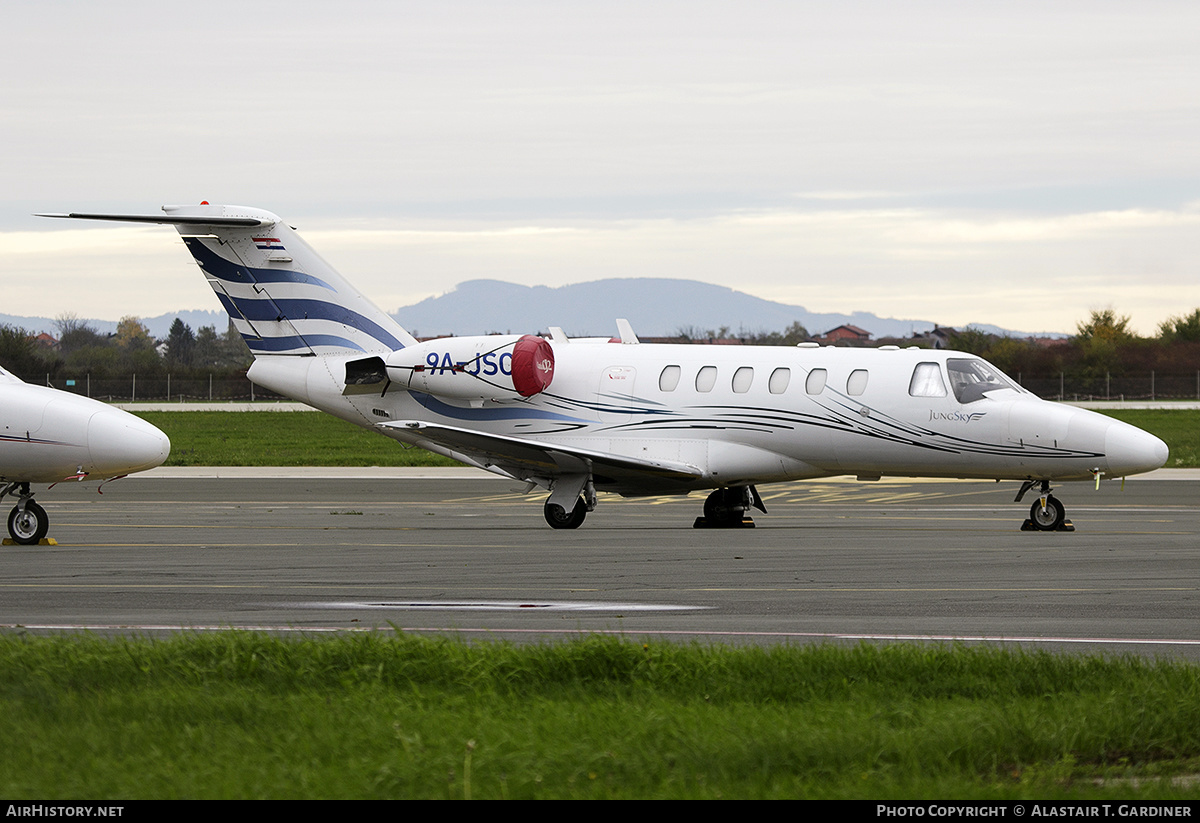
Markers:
point(724, 506)
point(29, 526)
point(559, 518)
point(1050, 518)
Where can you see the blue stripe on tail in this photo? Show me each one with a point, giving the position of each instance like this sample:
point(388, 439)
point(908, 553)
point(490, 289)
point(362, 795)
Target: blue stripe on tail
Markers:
point(231, 272)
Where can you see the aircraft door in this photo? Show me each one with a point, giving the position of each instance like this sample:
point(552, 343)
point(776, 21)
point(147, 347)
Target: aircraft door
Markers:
point(614, 396)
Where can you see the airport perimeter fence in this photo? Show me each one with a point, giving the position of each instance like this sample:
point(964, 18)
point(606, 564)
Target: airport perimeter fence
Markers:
point(1129, 387)
point(167, 388)
point(170, 388)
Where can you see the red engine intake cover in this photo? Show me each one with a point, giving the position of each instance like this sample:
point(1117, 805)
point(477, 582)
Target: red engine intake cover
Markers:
point(532, 365)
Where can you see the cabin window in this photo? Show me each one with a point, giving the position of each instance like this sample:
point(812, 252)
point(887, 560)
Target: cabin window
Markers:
point(779, 381)
point(971, 379)
point(927, 381)
point(669, 379)
point(815, 384)
point(856, 383)
point(706, 378)
point(742, 378)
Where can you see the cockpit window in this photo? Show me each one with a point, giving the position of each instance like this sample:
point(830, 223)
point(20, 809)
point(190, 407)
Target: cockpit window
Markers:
point(927, 381)
point(972, 379)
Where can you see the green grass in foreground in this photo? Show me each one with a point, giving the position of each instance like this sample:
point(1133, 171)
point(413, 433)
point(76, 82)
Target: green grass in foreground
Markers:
point(315, 439)
point(243, 715)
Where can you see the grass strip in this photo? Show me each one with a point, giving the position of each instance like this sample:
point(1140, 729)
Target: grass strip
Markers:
point(277, 438)
point(315, 439)
point(378, 715)
point(1178, 428)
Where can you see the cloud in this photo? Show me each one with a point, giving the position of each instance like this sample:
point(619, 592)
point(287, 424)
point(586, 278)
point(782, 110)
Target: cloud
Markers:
point(954, 267)
point(931, 159)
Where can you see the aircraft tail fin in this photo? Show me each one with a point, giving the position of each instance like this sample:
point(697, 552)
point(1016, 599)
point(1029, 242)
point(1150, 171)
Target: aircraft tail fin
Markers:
point(281, 295)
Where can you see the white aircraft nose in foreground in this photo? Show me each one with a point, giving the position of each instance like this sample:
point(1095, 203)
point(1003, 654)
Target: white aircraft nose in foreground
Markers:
point(577, 416)
point(48, 435)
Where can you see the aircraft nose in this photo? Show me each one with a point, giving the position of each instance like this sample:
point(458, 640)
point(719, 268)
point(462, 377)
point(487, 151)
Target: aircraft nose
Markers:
point(1132, 451)
point(120, 443)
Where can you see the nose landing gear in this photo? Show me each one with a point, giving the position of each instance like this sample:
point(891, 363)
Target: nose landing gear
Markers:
point(1047, 513)
point(27, 522)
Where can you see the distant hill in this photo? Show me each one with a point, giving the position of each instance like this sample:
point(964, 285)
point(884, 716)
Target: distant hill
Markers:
point(159, 326)
point(656, 307)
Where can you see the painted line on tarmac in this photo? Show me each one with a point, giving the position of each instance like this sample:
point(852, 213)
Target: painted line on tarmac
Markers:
point(494, 605)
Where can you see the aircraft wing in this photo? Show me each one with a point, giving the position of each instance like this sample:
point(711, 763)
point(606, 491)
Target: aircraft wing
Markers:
point(530, 459)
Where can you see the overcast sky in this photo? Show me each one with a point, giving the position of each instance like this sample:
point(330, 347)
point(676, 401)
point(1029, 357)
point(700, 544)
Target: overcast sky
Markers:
point(1009, 163)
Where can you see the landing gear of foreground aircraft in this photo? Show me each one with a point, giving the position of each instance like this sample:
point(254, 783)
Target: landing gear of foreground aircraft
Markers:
point(578, 488)
point(560, 518)
point(1047, 513)
point(27, 522)
point(1049, 517)
point(726, 508)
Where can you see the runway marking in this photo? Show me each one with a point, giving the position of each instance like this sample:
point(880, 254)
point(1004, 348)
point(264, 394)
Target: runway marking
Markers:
point(243, 545)
point(921, 638)
point(964, 589)
point(53, 584)
point(280, 586)
point(494, 605)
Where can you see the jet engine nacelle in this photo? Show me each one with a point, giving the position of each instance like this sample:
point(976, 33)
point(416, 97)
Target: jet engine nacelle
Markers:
point(492, 367)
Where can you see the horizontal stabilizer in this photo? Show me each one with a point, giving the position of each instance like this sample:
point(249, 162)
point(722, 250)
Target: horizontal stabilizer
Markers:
point(166, 219)
point(281, 296)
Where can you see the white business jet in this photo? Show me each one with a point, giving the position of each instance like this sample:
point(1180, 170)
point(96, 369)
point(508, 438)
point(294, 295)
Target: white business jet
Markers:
point(47, 436)
point(579, 416)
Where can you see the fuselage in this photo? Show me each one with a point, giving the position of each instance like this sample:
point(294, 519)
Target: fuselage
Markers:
point(744, 415)
point(48, 435)
point(576, 416)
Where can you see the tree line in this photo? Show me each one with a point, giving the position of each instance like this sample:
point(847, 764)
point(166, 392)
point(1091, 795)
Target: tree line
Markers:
point(1103, 347)
point(82, 350)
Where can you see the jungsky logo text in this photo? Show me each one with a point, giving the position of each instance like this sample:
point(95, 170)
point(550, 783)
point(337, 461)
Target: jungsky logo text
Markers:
point(956, 417)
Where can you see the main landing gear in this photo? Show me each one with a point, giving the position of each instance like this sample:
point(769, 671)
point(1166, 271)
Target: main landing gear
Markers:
point(726, 508)
point(576, 491)
point(27, 522)
point(560, 518)
point(1047, 513)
